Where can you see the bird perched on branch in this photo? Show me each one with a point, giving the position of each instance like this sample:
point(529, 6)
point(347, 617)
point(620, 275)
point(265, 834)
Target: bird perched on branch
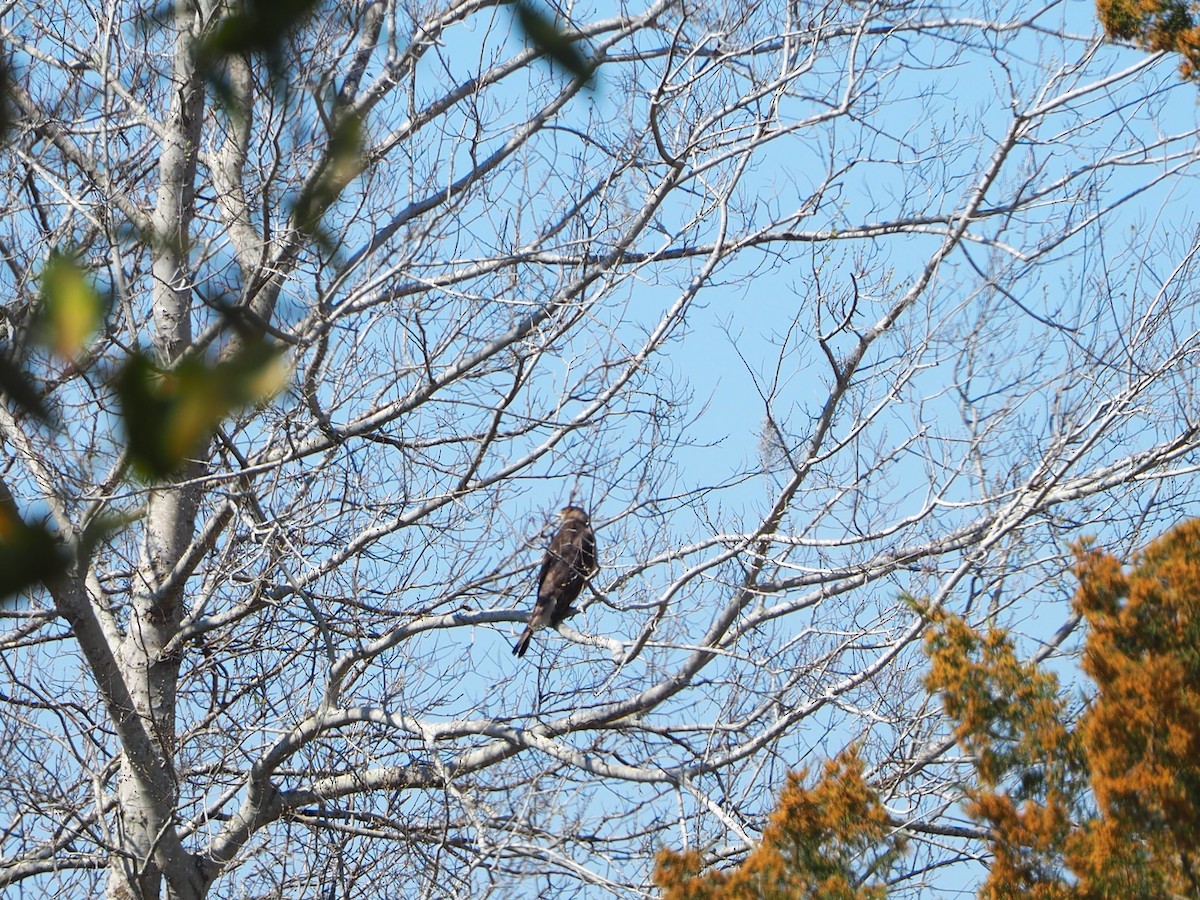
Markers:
point(570, 561)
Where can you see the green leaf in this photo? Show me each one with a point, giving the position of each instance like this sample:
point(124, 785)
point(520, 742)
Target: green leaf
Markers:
point(256, 28)
point(71, 310)
point(29, 554)
point(546, 37)
point(343, 164)
point(20, 389)
point(171, 414)
point(259, 27)
point(145, 411)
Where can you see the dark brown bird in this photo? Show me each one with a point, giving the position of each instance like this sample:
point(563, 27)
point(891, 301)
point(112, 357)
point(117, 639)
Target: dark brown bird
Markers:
point(570, 561)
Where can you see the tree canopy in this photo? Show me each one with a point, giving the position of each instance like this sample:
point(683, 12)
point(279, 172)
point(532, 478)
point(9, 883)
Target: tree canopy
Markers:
point(315, 313)
point(1075, 801)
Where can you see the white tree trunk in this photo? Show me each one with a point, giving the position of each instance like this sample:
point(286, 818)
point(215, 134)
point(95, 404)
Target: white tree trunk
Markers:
point(806, 319)
point(148, 789)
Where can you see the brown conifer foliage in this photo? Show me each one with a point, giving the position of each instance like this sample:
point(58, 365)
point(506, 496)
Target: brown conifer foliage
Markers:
point(1155, 25)
point(831, 840)
point(1101, 803)
point(1011, 719)
point(1142, 733)
point(1108, 806)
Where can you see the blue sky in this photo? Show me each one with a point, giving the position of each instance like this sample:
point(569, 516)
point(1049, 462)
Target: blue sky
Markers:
point(979, 374)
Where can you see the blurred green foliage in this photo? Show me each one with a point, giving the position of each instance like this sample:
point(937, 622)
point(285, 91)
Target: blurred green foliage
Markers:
point(548, 38)
point(169, 413)
point(71, 310)
point(29, 554)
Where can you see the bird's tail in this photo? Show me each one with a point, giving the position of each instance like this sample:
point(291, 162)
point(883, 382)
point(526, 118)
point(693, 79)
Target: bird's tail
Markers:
point(523, 643)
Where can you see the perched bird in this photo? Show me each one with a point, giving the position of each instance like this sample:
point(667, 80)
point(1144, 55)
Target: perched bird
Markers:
point(570, 561)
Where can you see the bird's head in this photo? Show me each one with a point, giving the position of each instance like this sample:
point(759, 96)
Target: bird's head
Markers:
point(572, 514)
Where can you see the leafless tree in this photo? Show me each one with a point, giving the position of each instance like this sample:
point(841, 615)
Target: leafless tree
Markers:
point(813, 306)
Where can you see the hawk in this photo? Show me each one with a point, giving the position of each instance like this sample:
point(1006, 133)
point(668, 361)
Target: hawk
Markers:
point(570, 561)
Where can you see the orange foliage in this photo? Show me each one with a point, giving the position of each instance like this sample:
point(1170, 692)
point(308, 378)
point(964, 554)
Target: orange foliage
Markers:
point(1011, 720)
point(1111, 807)
point(1106, 807)
point(826, 841)
point(1155, 25)
point(1142, 734)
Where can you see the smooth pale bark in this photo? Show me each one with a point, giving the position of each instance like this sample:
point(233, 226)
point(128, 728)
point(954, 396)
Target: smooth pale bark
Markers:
point(285, 667)
point(148, 786)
